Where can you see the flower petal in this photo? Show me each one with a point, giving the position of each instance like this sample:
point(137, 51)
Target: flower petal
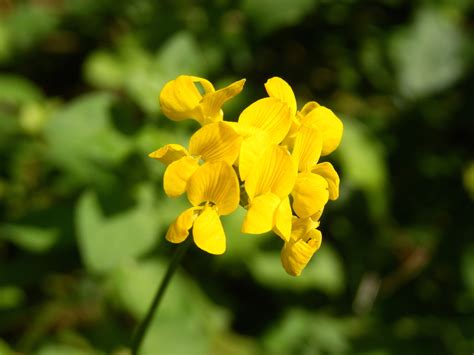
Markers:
point(295, 255)
point(282, 219)
point(307, 148)
point(274, 172)
point(179, 98)
point(310, 194)
point(177, 175)
point(169, 153)
point(212, 102)
point(301, 226)
point(208, 232)
point(308, 107)
point(260, 215)
point(327, 171)
point(215, 142)
point(270, 115)
point(178, 231)
point(251, 149)
point(328, 124)
point(215, 182)
point(279, 89)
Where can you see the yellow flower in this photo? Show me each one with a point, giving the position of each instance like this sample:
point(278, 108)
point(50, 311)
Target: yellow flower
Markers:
point(312, 114)
point(267, 185)
point(213, 190)
point(305, 240)
point(211, 143)
point(265, 122)
point(316, 183)
point(181, 99)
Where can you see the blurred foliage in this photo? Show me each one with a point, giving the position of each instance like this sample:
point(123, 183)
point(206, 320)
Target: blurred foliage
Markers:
point(83, 214)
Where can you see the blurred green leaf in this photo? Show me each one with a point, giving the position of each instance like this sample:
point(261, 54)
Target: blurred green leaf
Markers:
point(184, 309)
point(11, 297)
point(32, 238)
point(300, 332)
point(269, 15)
point(428, 56)
point(62, 349)
point(105, 242)
point(467, 268)
point(324, 272)
point(18, 90)
point(82, 140)
point(363, 165)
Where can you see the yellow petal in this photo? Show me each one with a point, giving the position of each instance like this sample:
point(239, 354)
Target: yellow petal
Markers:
point(328, 124)
point(327, 171)
point(274, 172)
point(295, 255)
point(179, 98)
point(270, 115)
point(307, 148)
point(279, 89)
point(178, 231)
point(208, 232)
point(308, 107)
point(177, 175)
point(260, 215)
point(169, 153)
point(301, 226)
point(215, 142)
point(310, 194)
point(215, 182)
point(212, 102)
point(251, 149)
point(283, 219)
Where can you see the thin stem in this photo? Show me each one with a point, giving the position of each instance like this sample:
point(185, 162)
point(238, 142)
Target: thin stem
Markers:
point(173, 265)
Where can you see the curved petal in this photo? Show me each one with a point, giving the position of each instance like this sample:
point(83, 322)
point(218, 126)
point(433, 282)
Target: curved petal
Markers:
point(208, 232)
point(215, 182)
point(178, 231)
point(327, 171)
point(301, 226)
point(169, 153)
point(260, 215)
point(177, 175)
point(308, 107)
point(307, 148)
point(283, 219)
point(328, 124)
point(295, 255)
point(251, 149)
point(310, 194)
point(270, 115)
point(274, 172)
point(215, 142)
point(279, 89)
point(212, 102)
point(179, 98)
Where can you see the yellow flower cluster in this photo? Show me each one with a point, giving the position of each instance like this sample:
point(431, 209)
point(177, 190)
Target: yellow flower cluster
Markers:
point(267, 161)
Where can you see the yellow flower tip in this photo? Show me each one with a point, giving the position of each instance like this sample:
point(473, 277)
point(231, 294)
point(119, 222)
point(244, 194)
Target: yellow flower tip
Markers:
point(260, 214)
point(178, 231)
point(297, 253)
point(310, 194)
point(329, 125)
point(278, 88)
point(169, 153)
point(327, 171)
point(177, 175)
point(208, 232)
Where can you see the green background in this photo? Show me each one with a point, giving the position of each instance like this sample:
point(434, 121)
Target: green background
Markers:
point(83, 214)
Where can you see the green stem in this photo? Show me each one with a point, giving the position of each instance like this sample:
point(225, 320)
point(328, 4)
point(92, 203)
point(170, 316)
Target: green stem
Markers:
point(173, 265)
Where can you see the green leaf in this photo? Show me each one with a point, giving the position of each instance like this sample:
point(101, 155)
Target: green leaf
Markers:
point(428, 55)
point(82, 139)
point(18, 90)
point(184, 309)
point(32, 238)
point(363, 165)
point(105, 243)
point(269, 15)
point(11, 297)
point(324, 272)
point(467, 268)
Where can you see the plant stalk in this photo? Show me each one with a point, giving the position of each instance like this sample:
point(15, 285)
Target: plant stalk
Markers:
point(172, 267)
